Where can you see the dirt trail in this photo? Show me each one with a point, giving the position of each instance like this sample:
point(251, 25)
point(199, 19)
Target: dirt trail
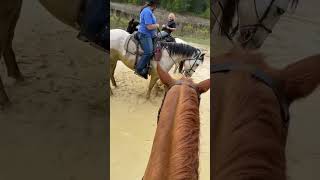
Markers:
point(133, 123)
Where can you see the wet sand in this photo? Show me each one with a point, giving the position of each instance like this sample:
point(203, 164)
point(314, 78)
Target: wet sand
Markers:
point(133, 123)
point(294, 37)
point(56, 128)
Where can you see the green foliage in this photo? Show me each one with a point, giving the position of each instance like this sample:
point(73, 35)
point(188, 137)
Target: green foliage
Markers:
point(187, 32)
point(197, 7)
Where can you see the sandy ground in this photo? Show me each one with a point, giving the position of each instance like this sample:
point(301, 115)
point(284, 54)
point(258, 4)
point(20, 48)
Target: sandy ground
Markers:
point(294, 37)
point(56, 128)
point(133, 123)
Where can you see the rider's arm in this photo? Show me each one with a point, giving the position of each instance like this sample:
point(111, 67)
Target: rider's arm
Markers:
point(171, 29)
point(152, 26)
point(148, 18)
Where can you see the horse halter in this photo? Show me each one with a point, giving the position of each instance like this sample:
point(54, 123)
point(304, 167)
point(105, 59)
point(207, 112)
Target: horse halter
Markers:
point(178, 83)
point(196, 59)
point(262, 77)
point(260, 24)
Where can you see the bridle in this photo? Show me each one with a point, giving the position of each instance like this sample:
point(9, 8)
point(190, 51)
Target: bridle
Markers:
point(260, 76)
point(178, 83)
point(255, 27)
point(196, 59)
point(260, 24)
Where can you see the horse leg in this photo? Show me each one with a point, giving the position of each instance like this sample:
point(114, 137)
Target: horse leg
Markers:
point(112, 70)
point(11, 63)
point(8, 53)
point(175, 69)
point(153, 81)
point(4, 99)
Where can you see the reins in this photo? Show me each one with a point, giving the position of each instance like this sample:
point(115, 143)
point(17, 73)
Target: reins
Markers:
point(177, 83)
point(262, 77)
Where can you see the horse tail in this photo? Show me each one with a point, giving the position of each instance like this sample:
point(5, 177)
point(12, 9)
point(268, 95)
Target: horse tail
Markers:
point(228, 13)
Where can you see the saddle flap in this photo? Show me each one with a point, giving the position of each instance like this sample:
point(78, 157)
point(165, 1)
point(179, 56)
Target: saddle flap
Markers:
point(132, 43)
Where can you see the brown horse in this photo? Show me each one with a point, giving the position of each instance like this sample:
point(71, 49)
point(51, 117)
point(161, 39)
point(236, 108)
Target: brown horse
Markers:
point(175, 150)
point(250, 102)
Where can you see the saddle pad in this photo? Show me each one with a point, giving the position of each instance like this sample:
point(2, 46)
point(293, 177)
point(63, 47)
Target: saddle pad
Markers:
point(131, 45)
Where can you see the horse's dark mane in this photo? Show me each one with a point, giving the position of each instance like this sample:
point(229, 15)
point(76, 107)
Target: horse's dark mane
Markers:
point(179, 49)
point(229, 12)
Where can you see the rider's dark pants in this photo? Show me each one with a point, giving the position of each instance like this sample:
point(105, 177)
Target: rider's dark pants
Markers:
point(95, 22)
point(147, 46)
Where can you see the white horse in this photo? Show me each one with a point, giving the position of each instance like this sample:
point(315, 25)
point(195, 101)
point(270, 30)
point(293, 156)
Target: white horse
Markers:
point(172, 53)
point(256, 19)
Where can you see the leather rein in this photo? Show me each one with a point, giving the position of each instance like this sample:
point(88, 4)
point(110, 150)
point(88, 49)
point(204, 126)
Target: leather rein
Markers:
point(262, 77)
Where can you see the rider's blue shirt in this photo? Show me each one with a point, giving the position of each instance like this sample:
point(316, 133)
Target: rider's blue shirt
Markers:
point(146, 18)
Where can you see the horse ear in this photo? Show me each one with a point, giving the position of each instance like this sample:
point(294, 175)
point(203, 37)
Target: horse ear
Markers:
point(164, 76)
point(301, 78)
point(203, 86)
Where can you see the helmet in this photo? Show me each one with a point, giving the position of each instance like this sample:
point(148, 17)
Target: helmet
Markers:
point(151, 2)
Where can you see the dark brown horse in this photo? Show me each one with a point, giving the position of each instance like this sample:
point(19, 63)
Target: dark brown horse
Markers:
point(175, 150)
point(250, 102)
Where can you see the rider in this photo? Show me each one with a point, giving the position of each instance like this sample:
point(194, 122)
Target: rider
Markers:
point(146, 33)
point(168, 28)
point(95, 24)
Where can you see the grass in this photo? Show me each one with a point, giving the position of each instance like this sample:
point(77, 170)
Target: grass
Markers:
point(199, 36)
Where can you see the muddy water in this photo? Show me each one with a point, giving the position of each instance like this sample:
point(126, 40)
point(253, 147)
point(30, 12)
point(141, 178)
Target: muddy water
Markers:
point(294, 37)
point(133, 123)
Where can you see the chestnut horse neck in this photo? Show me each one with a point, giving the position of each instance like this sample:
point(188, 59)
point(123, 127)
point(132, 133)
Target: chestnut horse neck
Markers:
point(248, 124)
point(175, 150)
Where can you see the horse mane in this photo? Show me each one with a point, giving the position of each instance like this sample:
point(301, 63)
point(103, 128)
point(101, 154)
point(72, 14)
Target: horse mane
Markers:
point(186, 130)
point(229, 13)
point(179, 49)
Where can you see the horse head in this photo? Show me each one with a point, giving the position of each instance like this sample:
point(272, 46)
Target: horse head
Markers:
point(190, 66)
point(250, 106)
point(132, 26)
point(258, 18)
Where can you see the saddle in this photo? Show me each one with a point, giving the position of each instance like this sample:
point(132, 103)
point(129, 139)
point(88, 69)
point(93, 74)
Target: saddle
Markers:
point(167, 38)
point(137, 51)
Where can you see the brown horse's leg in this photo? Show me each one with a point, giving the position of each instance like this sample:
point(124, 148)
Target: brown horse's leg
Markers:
point(12, 66)
point(4, 99)
point(8, 53)
point(112, 69)
point(153, 81)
